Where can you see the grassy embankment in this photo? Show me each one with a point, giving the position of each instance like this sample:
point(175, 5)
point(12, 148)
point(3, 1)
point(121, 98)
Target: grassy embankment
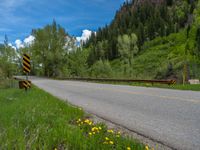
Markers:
point(161, 58)
point(164, 57)
point(37, 120)
point(175, 87)
point(189, 87)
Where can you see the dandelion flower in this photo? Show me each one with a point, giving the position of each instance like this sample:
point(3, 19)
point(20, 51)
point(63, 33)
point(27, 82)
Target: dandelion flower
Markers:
point(128, 148)
point(146, 147)
point(110, 131)
point(87, 121)
point(90, 133)
point(95, 129)
point(106, 138)
point(111, 142)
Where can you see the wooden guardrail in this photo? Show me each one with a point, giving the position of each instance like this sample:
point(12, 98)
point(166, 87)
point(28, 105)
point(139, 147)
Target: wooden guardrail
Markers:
point(169, 82)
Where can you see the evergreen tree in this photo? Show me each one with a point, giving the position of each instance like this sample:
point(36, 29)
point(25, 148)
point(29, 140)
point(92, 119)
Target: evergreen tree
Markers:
point(198, 42)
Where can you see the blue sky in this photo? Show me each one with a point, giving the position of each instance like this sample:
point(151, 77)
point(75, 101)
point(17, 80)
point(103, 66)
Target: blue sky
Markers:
point(19, 17)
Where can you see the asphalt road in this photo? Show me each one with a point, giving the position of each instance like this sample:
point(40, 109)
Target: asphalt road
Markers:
point(169, 116)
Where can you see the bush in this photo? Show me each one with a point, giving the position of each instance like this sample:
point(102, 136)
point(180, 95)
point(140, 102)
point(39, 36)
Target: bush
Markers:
point(101, 69)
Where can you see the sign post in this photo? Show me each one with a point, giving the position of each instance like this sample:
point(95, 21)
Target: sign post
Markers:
point(27, 70)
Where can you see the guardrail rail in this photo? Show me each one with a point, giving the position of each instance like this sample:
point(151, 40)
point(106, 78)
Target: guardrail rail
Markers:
point(169, 82)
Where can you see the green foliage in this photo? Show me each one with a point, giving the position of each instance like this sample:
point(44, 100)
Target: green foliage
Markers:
point(169, 2)
point(50, 47)
point(127, 46)
point(77, 62)
point(8, 56)
point(101, 69)
point(147, 19)
point(198, 42)
point(98, 52)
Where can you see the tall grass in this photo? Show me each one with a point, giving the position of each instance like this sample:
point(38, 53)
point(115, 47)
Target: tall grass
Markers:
point(37, 120)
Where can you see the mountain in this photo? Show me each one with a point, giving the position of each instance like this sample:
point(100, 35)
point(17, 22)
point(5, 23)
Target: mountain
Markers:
point(147, 19)
point(160, 26)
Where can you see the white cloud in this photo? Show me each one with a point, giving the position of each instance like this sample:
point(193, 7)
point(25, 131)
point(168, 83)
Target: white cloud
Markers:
point(9, 44)
point(26, 42)
point(85, 35)
point(19, 44)
point(29, 40)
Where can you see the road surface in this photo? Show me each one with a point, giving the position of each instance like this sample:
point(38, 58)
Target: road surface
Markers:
point(169, 116)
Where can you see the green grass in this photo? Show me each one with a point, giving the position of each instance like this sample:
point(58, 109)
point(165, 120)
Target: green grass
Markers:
point(157, 55)
point(176, 86)
point(184, 87)
point(190, 87)
point(37, 120)
point(7, 83)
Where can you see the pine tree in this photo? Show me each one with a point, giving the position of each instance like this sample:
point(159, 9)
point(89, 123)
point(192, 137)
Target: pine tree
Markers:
point(198, 42)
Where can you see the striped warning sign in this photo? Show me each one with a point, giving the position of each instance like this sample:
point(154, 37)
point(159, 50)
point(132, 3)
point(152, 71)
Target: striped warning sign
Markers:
point(26, 63)
point(26, 84)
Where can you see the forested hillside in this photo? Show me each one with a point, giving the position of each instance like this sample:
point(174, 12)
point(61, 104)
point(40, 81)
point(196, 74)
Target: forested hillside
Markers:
point(166, 38)
point(147, 39)
point(148, 19)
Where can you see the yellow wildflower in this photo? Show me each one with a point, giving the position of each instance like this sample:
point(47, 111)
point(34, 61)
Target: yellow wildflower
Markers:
point(110, 131)
point(90, 133)
point(79, 120)
point(106, 138)
point(111, 142)
point(146, 147)
point(87, 120)
point(100, 128)
point(128, 148)
point(117, 135)
point(93, 132)
point(95, 129)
